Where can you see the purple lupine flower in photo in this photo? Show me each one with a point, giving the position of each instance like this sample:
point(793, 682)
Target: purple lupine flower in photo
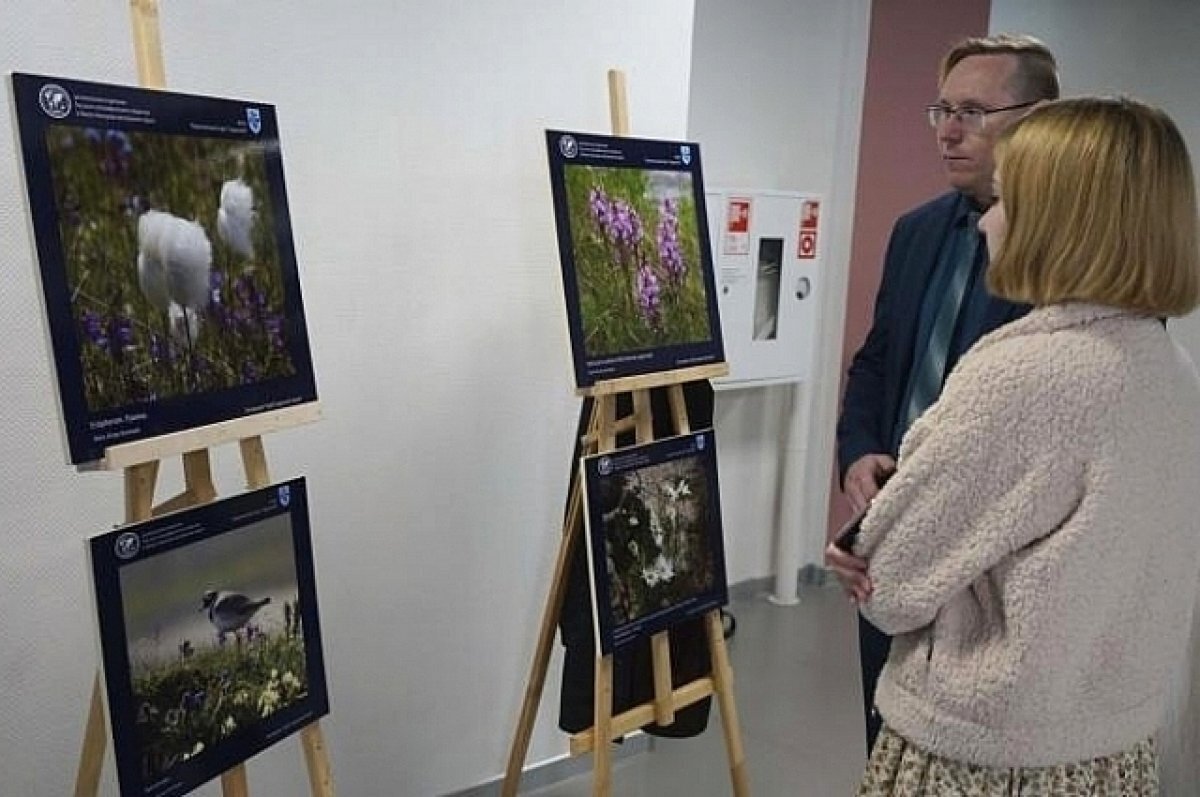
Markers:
point(119, 142)
point(626, 226)
point(274, 326)
point(95, 328)
point(669, 252)
point(122, 331)
point(216, 280)
point(600, 208)
point(648, 295)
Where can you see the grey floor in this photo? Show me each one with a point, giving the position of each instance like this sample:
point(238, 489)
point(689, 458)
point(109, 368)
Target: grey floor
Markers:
point(800, 704)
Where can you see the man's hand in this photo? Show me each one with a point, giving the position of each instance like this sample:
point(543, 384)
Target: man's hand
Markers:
point(851, 571)
point(864, 477)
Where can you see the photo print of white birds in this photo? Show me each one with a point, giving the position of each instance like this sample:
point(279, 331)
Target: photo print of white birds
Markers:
point(166, 258)
point(208, 630)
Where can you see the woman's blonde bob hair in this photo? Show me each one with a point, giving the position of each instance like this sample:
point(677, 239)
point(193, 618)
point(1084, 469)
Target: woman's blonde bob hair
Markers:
point(1101, 207)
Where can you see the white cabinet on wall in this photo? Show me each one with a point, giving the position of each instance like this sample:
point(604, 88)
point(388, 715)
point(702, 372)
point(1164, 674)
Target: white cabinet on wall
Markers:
point(767, 256)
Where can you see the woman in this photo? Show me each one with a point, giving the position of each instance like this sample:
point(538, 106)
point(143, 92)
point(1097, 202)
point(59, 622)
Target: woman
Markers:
point(1037, 552)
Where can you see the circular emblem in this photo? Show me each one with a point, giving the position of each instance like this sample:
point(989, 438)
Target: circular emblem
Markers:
point(55, 100)
point(604, 466)
point(568, 146)
point(128, 545)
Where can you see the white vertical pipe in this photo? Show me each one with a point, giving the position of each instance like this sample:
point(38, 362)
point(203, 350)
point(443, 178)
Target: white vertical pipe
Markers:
point(790, 527)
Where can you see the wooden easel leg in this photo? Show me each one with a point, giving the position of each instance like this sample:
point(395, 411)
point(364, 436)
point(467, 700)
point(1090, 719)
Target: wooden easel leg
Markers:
point(545, 644)
point(233, 782)
point(722, 675)
point(95, 741)
point(254, 462)
point(664, 699)
point(140, 481)
point(602, 728)
point(316, 758)
point(572, 531)
point(679, 409)
point(197, 476)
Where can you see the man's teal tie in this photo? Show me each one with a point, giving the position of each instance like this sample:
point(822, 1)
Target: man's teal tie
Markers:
point(930, 370)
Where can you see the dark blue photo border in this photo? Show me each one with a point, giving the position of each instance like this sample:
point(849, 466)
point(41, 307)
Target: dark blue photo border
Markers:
point(89, 433)
point(600, 467)
point(114, 550)
point(567, 148)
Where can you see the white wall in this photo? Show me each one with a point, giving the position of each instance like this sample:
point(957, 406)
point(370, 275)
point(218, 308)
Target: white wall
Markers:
point(776, 102)
point(420, 202)
point(1147, 49)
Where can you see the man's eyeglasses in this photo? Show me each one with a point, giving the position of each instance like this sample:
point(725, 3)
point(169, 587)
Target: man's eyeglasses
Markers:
point(971, 117)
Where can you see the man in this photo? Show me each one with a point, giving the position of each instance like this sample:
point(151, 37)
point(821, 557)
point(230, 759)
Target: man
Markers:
point(932, 303)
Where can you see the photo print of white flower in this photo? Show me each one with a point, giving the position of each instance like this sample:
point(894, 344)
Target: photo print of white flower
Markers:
point(654, 530)
point(209, 636)
point(634, 246)
point(166, 258)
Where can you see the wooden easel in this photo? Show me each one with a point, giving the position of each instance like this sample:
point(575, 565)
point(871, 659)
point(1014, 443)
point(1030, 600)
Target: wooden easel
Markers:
point(601, 435)
point(140, 462)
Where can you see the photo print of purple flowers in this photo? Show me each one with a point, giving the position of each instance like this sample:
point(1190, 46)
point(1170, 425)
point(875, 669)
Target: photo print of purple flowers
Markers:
point(637, 258)
point(658, 527)
point(171, 262)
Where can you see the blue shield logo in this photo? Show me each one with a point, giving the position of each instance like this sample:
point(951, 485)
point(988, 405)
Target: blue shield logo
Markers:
point(285, 495)
point(685, 154)
point(700, 442)
point(254, 119)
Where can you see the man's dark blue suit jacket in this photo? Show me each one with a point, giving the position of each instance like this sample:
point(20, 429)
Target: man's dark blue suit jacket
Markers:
point(878, 374)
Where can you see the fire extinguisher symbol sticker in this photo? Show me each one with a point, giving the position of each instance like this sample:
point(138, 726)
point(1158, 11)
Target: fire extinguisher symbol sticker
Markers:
point(810, 214)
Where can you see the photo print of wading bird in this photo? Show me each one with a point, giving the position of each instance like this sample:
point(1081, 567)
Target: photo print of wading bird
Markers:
point(166, 259)
point(209, 635)
point(634, 248)
point(655, 542)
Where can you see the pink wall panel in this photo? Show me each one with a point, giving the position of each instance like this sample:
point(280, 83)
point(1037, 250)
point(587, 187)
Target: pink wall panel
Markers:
point(898, 166)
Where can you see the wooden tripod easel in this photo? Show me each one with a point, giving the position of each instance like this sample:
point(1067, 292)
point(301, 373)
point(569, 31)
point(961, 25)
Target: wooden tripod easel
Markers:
point(140, 462)
point(601, 435)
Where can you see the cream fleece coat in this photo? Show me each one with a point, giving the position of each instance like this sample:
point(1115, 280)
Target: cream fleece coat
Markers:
point(1036, 553)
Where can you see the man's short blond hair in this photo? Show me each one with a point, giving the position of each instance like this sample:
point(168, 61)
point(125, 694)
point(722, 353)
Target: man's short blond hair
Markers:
point(1100, 202)
point(1036, 75)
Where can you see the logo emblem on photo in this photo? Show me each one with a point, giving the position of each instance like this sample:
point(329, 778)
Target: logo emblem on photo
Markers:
point(254, 119)
point(285, 495)
point(685, 154)
point(568, 146)
point(55, 100)
point(127, 545)
point(604, 466)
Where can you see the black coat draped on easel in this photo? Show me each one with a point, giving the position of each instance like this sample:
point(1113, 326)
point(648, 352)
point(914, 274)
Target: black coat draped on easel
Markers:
point(633, 671)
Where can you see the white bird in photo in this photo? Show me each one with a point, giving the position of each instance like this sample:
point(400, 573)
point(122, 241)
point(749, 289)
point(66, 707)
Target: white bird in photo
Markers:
point(235, 217)
point(174, 259)
point(229, 611)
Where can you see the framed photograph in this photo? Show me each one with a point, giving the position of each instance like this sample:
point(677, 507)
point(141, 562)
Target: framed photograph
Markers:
point(655, 550)
point(165, 251)
point(636, 263)
point(209, 637)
